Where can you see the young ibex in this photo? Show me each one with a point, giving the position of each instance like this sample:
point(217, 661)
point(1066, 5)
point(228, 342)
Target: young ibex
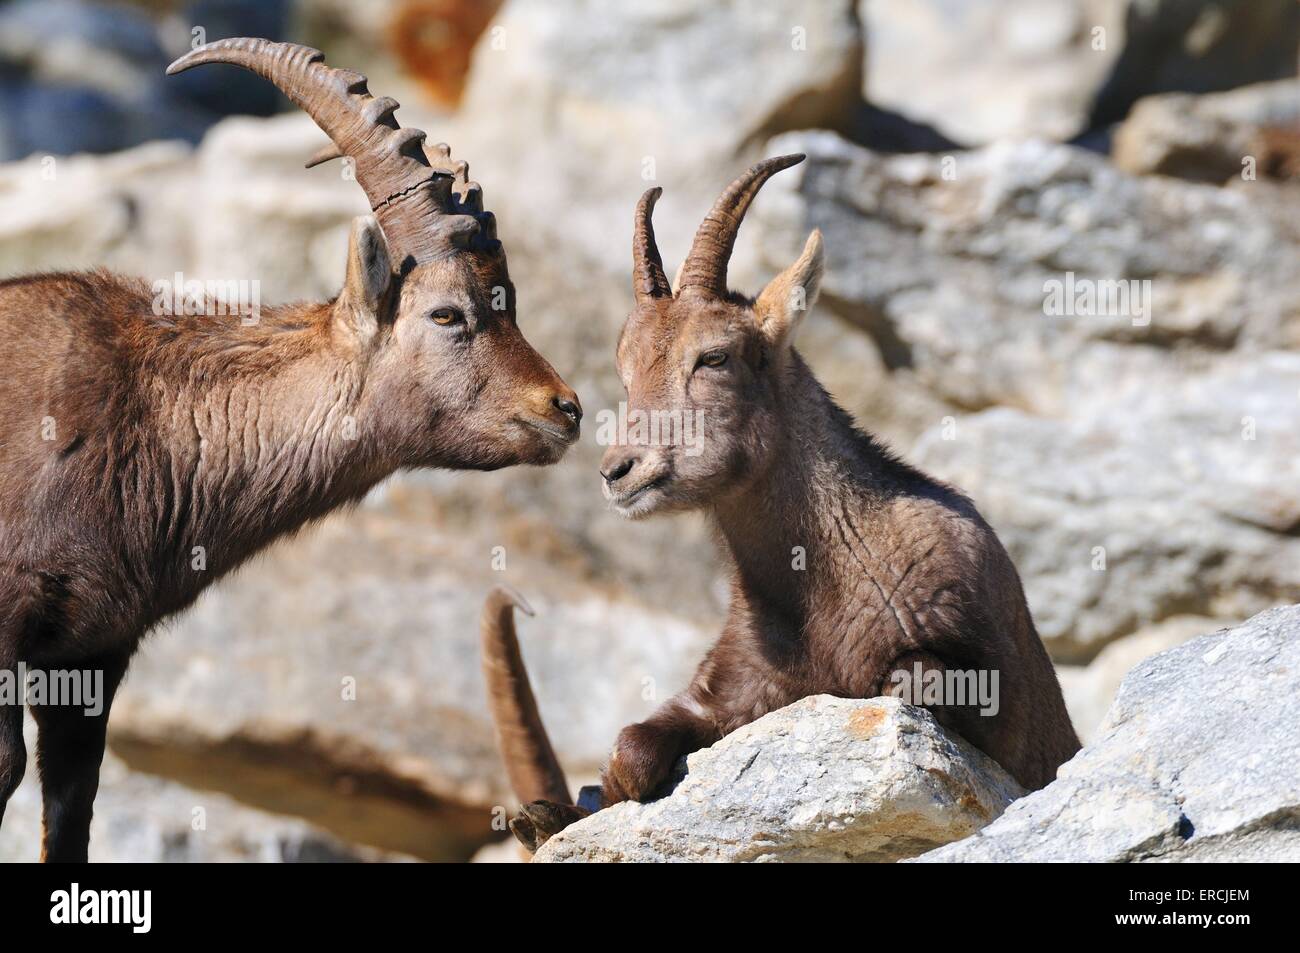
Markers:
point(145, 456)
point(847, 565)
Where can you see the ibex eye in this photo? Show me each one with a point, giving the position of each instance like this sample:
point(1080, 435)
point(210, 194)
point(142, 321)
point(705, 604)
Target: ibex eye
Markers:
point(445, 316)
point(714, 358)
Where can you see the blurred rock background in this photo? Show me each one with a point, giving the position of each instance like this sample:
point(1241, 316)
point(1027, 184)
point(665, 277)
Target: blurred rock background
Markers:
point(326, 702)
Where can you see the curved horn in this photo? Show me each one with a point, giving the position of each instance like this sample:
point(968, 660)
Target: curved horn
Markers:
point(411, 199)
point(705, 269)
point(648, 278)
point(534, 771)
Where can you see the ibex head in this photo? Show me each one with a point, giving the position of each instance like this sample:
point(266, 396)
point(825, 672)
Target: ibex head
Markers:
point(704, 357)
point(427, 306)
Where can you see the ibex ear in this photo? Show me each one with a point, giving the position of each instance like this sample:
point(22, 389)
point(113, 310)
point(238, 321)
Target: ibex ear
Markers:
point(791, 294)
point(369, 274)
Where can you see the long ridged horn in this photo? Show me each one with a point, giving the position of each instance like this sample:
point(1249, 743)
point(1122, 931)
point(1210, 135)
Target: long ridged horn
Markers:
point(648, 278)
point(534, 771)
point(411, 199)
point(705, 269)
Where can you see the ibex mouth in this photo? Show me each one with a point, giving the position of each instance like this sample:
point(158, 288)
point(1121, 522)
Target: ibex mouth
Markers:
point(553, 431)
point(626, 501)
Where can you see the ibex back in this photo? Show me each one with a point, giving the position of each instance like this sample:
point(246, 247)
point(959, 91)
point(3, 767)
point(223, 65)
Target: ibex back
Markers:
point(145, 455)
point(851, 572)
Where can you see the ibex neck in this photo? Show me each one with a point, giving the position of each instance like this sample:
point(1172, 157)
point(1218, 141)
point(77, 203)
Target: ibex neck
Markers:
point(265, 428)
point(780, 527)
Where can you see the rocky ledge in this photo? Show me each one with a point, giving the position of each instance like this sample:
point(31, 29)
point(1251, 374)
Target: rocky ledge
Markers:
point(1198, 760)
point(824, 779)
point(1195, 760)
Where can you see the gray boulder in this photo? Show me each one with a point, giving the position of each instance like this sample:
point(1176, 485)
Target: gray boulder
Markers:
point(1170, 500)
point(1055, 69)
point(1090, 689)
point(1198, 46)
point(1213, 138)
point(991, 70)
point(126, 211)
point(951, 264)
point(1196, 761)
point(140, 818)
point(825, 779)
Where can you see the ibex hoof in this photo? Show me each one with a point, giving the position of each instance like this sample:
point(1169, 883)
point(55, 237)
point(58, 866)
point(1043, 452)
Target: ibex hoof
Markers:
point(538, 822)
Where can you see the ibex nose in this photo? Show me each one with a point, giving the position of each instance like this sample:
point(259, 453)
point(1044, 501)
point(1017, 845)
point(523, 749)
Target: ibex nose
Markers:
point(569, 408)
point(617, 468)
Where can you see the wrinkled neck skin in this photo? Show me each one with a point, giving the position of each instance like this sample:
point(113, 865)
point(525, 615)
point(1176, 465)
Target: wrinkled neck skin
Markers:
point(264, 429)
point(785, 515)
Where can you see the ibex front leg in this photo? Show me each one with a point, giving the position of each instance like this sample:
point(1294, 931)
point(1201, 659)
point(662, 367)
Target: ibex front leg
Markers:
point(644, 755)
point(69, 751)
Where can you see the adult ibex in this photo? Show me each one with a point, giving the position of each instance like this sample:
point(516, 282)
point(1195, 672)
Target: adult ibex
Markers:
point(851, 572)
point(133, 441)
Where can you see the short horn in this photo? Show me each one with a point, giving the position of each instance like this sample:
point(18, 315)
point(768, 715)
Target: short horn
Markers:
point(326, 153)
point(530, 761)
point(705, 269)
point(648, 278)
